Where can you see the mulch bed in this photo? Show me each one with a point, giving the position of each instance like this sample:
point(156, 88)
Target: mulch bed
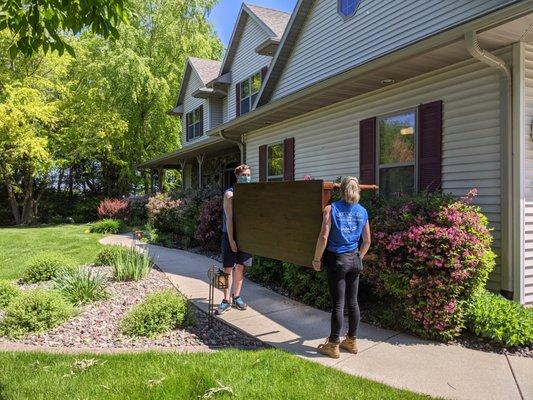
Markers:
point(97, 324)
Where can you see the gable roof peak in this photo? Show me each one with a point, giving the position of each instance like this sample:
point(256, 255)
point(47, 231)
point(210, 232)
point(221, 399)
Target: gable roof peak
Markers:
point(275, 20)
point(206, 69)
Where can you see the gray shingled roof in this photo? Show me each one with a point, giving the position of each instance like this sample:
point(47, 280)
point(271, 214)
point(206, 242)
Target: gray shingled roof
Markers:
point(276, 20)
point(206, 69)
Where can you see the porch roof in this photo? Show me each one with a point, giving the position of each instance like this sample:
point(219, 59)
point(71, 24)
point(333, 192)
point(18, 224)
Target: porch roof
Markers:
point(495, 31)
point(208, 146)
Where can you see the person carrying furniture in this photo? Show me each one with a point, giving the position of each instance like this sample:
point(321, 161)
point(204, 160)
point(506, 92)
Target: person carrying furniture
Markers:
point(344, 222)
point(233, 260)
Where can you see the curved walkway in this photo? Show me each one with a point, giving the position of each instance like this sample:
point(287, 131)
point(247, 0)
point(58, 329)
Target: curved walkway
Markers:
point(387, 356)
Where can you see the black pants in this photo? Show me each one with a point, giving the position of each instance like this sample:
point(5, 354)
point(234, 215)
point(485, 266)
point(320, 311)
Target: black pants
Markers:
point(343, 279)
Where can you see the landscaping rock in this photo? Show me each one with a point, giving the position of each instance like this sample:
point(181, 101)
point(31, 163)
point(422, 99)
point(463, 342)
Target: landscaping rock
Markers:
point(98, 324)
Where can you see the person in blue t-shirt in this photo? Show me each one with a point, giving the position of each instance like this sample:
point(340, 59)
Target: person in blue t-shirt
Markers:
point(344, 223)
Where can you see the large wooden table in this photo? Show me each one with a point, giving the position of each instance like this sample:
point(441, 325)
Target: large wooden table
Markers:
point(281, 220)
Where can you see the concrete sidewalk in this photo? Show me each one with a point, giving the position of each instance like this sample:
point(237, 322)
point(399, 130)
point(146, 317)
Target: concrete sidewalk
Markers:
point(390, 357)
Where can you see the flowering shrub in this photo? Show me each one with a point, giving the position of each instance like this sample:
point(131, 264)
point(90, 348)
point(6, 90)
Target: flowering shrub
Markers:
point(113, 208)
point(433, 252)
point(165, 214)
point(209, 230)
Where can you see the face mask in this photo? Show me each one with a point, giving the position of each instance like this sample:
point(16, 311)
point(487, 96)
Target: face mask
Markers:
point(245, 179)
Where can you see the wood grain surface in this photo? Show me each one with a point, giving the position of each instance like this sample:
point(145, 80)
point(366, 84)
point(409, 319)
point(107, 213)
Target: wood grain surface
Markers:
point(280, 220)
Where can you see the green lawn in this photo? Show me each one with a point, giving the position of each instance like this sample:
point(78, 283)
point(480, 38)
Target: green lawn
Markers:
point(19, 244)
point(266, 374)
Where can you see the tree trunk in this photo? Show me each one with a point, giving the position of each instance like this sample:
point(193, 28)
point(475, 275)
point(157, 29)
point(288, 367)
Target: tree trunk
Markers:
point(12, 200)
point(70, 183)
point(27, 206)
point(60, 180)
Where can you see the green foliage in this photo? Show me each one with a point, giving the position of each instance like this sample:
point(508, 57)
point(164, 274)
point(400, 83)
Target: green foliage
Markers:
point(46, 266)
point(130, 265)
point(106, 256)
point(493, 317)
point(81, 286)
point(266, 271)
point(8, 291)
point(39, 25)
point(307, 285)
point(107, 225)
point(35, 311)
point(160, 312)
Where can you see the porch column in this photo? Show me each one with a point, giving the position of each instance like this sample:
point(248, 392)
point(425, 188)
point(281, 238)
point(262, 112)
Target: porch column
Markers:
point(183, 163)
point(160, 178)
point(200, 159)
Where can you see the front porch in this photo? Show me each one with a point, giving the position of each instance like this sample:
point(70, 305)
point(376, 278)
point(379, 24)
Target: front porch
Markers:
point(207, 162)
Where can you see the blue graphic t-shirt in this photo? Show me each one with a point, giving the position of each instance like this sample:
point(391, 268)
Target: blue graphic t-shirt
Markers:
point(347, 224)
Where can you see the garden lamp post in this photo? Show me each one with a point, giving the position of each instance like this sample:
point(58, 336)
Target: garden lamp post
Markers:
point(217, 279)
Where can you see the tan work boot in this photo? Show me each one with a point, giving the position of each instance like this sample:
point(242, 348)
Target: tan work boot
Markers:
point(349, 344)
point(330, 349)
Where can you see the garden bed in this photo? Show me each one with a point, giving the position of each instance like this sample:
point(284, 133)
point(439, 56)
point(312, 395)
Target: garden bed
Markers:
point(97, 325)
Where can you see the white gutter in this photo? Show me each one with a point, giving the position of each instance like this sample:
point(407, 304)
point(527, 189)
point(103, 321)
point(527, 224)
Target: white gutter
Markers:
point(508, 156)
point(240, 143)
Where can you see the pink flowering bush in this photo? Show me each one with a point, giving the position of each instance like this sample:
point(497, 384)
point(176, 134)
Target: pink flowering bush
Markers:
point(432, 253)
point(209, 230)
point(165, 214)
point(113, 208)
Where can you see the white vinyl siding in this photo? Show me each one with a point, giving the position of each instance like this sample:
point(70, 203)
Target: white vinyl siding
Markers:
point(327, 140)
point(528, 177)
point(328, 44)
point(246, 61)
point(215, 117)
point(191, 103)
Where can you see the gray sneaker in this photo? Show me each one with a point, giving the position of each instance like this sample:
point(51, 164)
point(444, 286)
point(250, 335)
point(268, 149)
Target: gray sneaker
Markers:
point(223, 307)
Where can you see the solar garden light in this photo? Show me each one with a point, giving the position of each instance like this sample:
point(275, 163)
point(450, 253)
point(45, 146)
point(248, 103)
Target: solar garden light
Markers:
point(217, 279)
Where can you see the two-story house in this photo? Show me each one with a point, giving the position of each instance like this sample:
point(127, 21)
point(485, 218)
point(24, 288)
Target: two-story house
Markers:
point(411, 95)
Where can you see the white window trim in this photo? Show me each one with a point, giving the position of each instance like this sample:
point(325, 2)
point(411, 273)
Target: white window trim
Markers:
point(249, 97)
point(194, 138)
point(275, 177)
point(392, 165)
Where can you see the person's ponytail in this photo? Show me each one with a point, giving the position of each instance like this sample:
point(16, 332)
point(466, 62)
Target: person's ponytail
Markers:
point(350, 190)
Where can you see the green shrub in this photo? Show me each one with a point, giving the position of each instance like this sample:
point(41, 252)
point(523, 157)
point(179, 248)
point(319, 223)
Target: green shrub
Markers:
point(106, 255)
point(130, 265)
point(307, 285)
point(107, 225)
point(158, 313)
point(35, 311)
point(46, 266)
point(8, 292)
point(266, 271)
point(81, 286)
point(493, 317)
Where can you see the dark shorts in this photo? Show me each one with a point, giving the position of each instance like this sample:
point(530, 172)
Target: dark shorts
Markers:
point(230, 258)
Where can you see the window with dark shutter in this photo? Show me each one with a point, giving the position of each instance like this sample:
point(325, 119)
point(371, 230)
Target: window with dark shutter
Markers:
point(263, 150)
point(238, 99)
point(367, 151)
point(430, 146)
point(194, 121)
point(288, 159)
point(201, 121)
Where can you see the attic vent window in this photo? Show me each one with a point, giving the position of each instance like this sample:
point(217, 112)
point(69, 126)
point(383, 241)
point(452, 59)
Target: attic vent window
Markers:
point(347, 8)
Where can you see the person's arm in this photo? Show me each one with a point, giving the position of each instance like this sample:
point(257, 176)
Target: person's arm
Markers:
point(228, 211)
point(366, 240)
point(322, 240)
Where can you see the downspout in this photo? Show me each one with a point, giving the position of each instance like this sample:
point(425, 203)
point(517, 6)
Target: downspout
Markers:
point(240, 143)
point(475, 50)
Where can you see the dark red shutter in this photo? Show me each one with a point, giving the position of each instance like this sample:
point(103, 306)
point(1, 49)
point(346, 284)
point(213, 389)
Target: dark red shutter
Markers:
point(237, 99)
point(201, 120)
point(263, 157)
point(367, 151)
point(264, 71)
point(430, 146)
point(288, 159)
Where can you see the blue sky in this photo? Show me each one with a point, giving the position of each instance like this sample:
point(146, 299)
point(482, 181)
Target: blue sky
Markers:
point(224, 14)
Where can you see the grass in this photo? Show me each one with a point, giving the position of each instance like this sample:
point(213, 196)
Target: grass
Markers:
point(265, 374)
point(19, 244)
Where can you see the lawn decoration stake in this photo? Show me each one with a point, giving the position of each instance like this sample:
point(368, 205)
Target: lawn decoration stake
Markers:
point(217, 279)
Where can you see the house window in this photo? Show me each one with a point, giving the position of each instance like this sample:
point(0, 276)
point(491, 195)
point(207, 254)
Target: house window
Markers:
point(347, 8)
point(249, 90)
point(275, 162)
point(397, 137)
point(194, 124)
